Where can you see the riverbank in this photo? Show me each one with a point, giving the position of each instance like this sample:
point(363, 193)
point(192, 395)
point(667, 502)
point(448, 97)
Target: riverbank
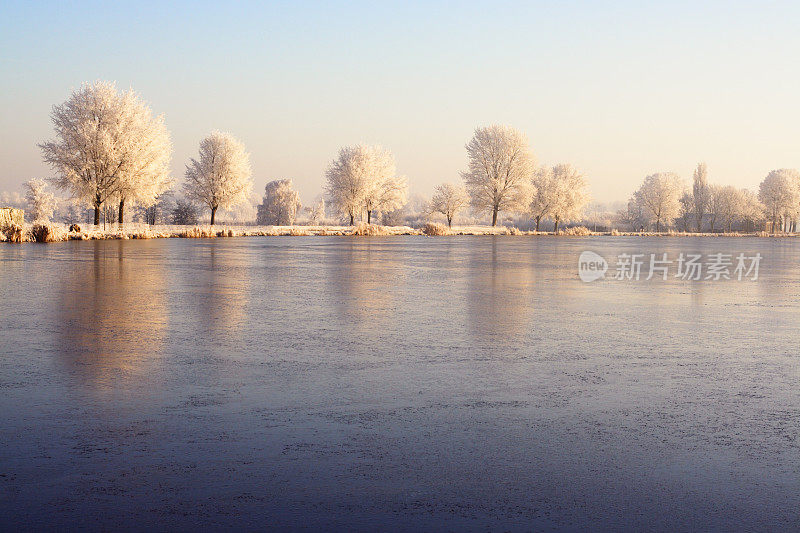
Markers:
point(56, 232)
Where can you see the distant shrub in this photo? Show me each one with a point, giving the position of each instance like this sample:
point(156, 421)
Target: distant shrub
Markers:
point(140, 234)
point(578, 231)
point(44, 232)
point(13, 233)
point(197, 232)
point(184, 213)
point(370, 230)
point(514, 231)
point(435, 228)
point(335, 232)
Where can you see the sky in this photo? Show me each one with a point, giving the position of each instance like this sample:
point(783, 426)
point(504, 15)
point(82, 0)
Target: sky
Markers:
point(619, 89)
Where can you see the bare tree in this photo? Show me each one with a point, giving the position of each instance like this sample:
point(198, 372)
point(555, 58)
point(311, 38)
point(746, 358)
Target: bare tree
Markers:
point(659, 195)
point(107, 143)
point(701, 194)
point(280, 204)
point(686, 210)
point(448, 199)
point(633, 215)
point(715, 205)
point(160, 210)
point(499, 170)
point(221, 176)
point(184, 213)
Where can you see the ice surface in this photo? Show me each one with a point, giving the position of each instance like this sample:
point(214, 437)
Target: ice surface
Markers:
point(389, 383)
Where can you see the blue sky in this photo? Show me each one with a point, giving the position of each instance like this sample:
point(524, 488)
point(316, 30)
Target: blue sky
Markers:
point(620, 89)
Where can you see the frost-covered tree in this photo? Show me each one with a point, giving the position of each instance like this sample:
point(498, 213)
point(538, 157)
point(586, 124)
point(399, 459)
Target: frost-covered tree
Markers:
point(779, 192)
point(12, 199)
point(243, 213)
point(145, 181)
point(385, 195)
point(599, 215)
point(415, 212)
point(752, 208)
point(701, 194)
point(346, 181)
point(568, 193)
point(634, 214)
point(184, 213)
point(40, 202)
point(315, 213)
point(107, 145)
point(280, 204)
point(363, 177)
point(318, 211)
point(160, 211)
point(729, 205)
point(543, 194)
point(448, 199)
point(220, 178)
point(75, 211)
point(499, 170)
point(686, 209)
point(716, 201)
point(659, 195)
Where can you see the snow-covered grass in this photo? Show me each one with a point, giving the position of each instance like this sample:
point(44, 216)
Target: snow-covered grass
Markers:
point(55, 232)
point(435, 228)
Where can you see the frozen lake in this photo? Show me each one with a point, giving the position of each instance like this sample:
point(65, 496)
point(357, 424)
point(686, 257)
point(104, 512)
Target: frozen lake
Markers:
point(395, 383)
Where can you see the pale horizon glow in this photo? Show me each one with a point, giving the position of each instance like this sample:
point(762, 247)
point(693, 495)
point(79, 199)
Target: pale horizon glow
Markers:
point(620, 90)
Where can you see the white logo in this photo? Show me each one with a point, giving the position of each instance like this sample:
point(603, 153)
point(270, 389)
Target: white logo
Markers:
point(591, 266)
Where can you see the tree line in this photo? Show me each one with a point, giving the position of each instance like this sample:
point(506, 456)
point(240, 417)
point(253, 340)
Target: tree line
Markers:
point(664, 201)
point(109, 149)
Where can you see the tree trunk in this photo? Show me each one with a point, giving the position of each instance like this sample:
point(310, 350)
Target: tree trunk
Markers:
point(121, 217)
point(213, 214)
point(450, 222)
point(369, 216)
point(352, 219)
point(96, 213)
point(555, 225)
point(658, 225)
point(494, 216)
point(537, 223)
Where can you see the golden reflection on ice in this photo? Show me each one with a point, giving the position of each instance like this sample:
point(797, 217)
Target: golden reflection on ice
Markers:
point(119, 330)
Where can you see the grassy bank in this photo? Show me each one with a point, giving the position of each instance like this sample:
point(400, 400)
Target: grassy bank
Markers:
point(54, 232)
